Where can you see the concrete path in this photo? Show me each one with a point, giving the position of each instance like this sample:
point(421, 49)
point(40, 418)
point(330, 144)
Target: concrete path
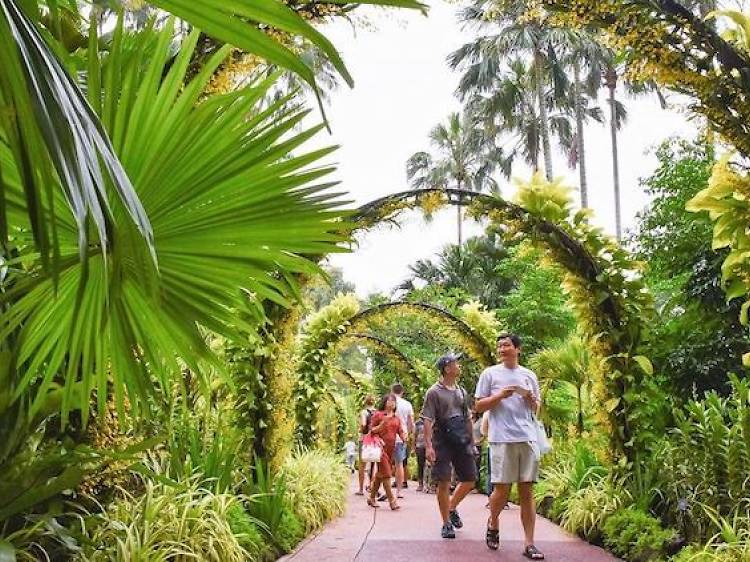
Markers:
point(412, 534)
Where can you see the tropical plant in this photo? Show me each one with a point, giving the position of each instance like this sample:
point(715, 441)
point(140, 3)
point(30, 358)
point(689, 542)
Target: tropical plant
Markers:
point(317, 485)
point(535, 81)
point(465, 159)
point(169, 522)
point(570, 363)
point(636, 536)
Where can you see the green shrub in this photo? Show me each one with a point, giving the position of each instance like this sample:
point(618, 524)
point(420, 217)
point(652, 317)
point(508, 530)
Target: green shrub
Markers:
point(712, 554)
point(169, 523)
point(290, 532)
point(584, 511)
point(635, 535)
point(249, 533)
point(317, 483)
point(267, 500)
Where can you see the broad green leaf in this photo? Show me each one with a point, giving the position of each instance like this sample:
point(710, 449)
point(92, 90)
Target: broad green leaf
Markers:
point(644, 363)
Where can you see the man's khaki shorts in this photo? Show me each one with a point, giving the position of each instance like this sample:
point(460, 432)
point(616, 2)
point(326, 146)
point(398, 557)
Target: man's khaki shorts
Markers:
point(513, 462)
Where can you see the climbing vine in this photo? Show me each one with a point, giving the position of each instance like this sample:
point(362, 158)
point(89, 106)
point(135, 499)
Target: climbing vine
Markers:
point(322, 332)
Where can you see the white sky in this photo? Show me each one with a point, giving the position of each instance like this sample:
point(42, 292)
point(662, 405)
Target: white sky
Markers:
point(403, 88)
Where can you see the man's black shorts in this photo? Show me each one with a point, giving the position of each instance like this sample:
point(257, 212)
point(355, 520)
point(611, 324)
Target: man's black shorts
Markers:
point(461, 459)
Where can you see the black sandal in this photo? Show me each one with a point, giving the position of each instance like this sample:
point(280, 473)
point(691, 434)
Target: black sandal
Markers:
point(532, 552)
point(492, 538)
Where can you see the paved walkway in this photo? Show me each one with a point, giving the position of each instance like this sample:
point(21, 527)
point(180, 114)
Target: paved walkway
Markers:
point(412, 534)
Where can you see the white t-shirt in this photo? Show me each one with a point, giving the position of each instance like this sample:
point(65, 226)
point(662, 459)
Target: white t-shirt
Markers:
point(511, 419)
point(404, 410)
point(350, 448)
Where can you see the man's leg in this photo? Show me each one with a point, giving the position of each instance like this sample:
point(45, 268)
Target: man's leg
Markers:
point(461, 491)
point(498, 499)
point(444, 499)
point(399, 477)
point(528, 510)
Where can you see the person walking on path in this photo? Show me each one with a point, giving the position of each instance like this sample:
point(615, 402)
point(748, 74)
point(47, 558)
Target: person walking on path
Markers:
point(405, 412)
point(365, 416)
point(419, 450)
point(386, 425)
point(510, 393)
point(351, 454)
point(449, 441)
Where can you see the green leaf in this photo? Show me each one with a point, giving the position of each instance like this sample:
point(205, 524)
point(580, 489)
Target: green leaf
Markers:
point(611, 404)
point(736, 289)
point(644, 363)
point(744, 312)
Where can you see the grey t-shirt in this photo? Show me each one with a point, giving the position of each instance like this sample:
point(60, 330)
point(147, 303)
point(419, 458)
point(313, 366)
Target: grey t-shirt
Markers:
point(441, 403)
point(511, 420)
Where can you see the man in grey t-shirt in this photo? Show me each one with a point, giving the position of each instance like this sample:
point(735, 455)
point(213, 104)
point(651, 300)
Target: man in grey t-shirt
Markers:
point(510, 393)
point(449, 442)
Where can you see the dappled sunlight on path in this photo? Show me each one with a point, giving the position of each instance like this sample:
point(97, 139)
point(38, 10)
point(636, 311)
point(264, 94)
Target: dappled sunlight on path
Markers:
point(413, 534)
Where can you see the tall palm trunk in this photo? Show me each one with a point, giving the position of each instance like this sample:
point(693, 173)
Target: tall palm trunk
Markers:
point(610, 80)
point(459, 219)
point(579, 135)
point(543, 117)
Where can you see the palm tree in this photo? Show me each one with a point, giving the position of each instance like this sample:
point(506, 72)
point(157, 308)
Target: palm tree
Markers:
point(570, 363)
point(512, 107)
point(517, 37)
point(585, 56)
point(466, 159)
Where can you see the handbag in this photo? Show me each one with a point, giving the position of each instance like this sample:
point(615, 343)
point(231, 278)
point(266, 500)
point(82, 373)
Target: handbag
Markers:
point(372, 449)
point(542, 442)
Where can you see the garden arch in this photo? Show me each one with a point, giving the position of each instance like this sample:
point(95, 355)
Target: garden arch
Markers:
point(601, 278)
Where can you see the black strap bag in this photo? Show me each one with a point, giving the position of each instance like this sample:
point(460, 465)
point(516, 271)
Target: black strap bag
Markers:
point(454, 429)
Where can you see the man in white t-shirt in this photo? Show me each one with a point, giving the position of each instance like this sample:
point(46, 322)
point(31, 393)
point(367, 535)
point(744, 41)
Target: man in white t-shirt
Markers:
point(405, 412)
point(510, 393)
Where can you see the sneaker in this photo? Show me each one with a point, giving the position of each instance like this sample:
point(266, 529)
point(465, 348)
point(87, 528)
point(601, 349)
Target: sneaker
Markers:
point(382, 497)
point(455, 519)
point(447, 531)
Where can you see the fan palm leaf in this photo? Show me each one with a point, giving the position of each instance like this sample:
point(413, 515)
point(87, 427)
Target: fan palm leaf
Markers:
point(214, 177)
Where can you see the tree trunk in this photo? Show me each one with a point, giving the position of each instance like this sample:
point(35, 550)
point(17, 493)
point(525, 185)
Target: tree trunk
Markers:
point(579, 135)
point(543, 118)
point(460, 234)
point(610, 81)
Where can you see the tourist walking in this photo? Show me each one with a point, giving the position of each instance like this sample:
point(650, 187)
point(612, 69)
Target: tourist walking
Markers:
point(351, 454)
point(419, 452)
point(405, 412)
point(386, 425)
point(449, 444)
point(365, 416)
point(510, 393)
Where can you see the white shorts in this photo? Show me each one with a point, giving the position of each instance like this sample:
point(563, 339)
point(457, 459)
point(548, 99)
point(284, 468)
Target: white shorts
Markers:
point(513, 462)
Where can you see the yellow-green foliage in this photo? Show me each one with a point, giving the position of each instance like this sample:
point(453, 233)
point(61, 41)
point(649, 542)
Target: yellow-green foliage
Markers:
point(170, 523)
point(317, 484)
point(483, 321)
point(281, 384)
point(320, 336)
point(727, 200)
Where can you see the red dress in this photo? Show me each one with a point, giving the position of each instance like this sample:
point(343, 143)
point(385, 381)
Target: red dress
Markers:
point(388, 434)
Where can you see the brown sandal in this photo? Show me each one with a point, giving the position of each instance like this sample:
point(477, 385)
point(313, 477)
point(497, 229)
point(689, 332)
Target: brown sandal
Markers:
point(533, 553)
point(372, 503)
point(394, 505)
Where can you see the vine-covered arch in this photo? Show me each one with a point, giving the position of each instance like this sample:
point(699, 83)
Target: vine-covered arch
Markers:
point(472, 341)
point(601, 278)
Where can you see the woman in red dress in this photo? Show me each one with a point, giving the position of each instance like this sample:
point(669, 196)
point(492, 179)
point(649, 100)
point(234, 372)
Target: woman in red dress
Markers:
point(386, 425)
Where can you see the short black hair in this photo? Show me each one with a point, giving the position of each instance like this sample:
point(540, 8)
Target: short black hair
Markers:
point(397, 388)
point(514, 338)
